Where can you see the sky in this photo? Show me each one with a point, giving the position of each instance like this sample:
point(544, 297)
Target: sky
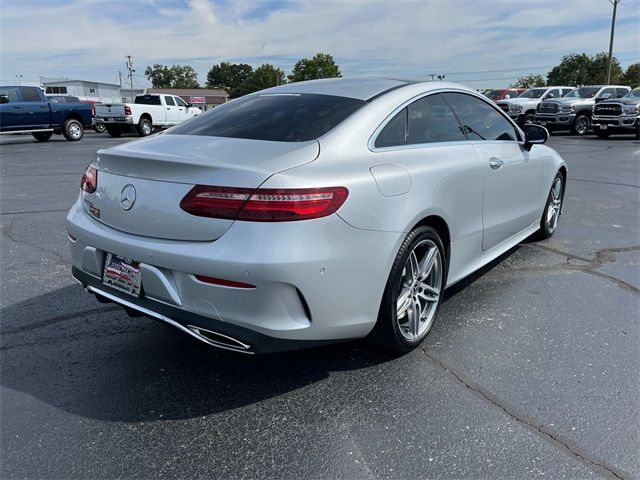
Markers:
point(482, 43)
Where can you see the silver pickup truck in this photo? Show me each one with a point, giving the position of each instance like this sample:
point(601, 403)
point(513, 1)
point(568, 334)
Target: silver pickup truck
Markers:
point(573, 111)
point(522, 109)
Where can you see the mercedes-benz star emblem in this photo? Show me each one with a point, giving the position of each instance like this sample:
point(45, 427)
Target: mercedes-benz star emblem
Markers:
point(128, 197)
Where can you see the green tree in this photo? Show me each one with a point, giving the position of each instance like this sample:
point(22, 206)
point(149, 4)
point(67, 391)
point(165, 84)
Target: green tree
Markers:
point(572, 70)
point(176, 76)
point(321, 65)
point(598, 69)
point(529, 81)
point(265, 76)
point(233, 77)
point(631, 76)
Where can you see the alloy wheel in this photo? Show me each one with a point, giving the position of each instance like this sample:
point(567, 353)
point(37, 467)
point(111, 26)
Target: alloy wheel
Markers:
point(554, 205)
point(582, 125)
point(420, 290)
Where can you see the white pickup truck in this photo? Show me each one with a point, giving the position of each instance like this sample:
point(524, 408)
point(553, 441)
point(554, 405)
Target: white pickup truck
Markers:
point(148, 112)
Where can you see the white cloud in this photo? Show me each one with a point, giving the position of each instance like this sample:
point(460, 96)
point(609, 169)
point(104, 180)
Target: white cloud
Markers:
point(89, 39)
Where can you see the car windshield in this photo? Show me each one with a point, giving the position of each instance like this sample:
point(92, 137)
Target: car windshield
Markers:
point(584, 92)
point(492, 94)
point(273, 117)
point(533, 93)
point(635, 93)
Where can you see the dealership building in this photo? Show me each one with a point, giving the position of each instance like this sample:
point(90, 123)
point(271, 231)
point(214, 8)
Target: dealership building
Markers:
point(204, 98)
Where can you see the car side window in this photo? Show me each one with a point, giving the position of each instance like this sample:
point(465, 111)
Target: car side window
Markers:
point(10, 95)
point(430, 120)
point(606, 93)
point(169, 101)
point(30, 94)
point(395, 132)
point(180, 102)
point(480, 120)
point(621, 92)
point(554, 93)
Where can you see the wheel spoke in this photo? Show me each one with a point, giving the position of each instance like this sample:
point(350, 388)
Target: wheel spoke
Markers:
point(404, 302)
point(413, 265)
point(429, 293)
point(414, 318)
point(427, 263)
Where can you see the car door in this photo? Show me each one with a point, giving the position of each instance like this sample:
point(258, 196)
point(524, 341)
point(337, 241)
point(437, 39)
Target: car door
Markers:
point(183, 109)
point(9, 109)
point(512, 180)
point(34, 110)
point(173, 114)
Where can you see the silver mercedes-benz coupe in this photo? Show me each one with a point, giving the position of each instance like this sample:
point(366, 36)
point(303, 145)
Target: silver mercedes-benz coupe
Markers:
point(313, 212)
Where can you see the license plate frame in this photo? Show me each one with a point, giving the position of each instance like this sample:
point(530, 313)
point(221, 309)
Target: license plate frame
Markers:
point(122, 274)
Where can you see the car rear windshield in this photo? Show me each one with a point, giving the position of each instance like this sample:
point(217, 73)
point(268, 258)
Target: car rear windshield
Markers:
point(148, 100)
point(273, 117)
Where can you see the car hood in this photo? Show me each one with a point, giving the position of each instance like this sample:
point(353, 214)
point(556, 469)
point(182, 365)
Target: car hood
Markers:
point(623, 101)
point(520, 101)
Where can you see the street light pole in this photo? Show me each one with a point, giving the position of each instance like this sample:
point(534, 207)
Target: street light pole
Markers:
point(131, 70)
point(613, 27)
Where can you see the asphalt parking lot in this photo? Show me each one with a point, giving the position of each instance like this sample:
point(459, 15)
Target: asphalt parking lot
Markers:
point(531, 370)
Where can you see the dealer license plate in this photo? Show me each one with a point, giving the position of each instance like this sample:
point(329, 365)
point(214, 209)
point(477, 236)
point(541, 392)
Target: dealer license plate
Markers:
point(122, 274)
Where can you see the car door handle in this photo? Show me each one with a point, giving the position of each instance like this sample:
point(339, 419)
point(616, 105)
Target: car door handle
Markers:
point(496, 163)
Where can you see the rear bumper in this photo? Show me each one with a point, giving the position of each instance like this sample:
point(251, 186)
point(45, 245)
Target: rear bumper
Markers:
point(114, 120)
point(316, 281)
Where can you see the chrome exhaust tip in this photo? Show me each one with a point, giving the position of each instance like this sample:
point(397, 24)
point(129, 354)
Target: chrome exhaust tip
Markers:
point(218, 339)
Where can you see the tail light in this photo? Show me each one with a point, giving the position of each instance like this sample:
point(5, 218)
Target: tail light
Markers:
point(89, 181)
point(93, 111)
point(127, 110)
point(263, 204)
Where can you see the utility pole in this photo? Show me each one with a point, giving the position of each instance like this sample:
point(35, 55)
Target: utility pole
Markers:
point(131, 70)
point(613, 27)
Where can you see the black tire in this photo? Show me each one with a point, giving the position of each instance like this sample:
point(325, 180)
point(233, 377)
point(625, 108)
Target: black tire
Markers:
point(72, 130)
point(528, 118)
point(387, 331)
point(603, 134)
point(546, 228)
point(114, 130)
point(144, 127)
point(581, 125)
point(42, 136)
point(99, 128)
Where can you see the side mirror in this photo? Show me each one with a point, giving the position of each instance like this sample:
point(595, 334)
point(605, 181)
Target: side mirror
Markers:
point(4, 99)
point(550, 95)
point(534, 135)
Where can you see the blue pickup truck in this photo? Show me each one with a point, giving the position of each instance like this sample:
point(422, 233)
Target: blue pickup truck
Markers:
point(26, 110)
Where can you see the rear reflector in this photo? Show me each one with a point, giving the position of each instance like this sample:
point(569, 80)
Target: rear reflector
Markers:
point(263, 204)
point(89, 181)
point(223, 282)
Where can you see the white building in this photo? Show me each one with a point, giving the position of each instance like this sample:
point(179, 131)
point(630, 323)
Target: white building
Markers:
point(87, 90)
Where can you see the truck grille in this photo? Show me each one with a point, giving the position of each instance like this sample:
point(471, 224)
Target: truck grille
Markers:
point(504, 107)
point(547, 107)
point(614, 109)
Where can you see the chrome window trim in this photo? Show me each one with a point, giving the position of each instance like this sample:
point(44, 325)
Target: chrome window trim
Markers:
point(374, 136)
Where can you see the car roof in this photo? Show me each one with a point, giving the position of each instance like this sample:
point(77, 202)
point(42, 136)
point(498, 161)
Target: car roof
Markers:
point(364, 88)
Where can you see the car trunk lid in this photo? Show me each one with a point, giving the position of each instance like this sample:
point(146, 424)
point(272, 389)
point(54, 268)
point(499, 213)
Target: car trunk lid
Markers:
point(140, 184)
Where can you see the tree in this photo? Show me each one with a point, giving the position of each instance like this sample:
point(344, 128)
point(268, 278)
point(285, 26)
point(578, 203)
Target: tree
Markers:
point(176, 76)
point(631, 77)
point(265, 76)
point(232, 77)
point(320, 66)
point(529, 81)
point(598, 69)
point(572, 70)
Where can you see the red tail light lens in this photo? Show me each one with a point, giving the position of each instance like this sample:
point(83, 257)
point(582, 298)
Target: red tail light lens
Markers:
point(263, 204)
point(223, 282)
point(89, 181)
point(127, 110)
point(93, 111)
